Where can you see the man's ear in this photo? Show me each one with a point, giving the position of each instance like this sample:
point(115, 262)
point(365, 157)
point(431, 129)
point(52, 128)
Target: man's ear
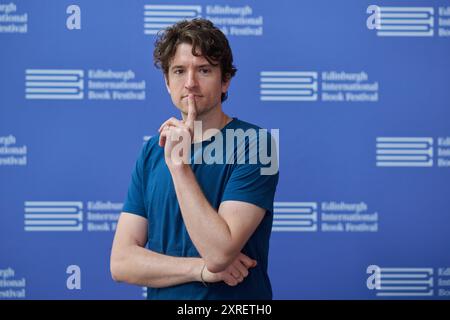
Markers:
point(166, 81)
point(226, 84)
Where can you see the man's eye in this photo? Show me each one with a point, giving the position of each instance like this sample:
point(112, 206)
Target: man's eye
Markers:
point(204, 71)
point(178, 71)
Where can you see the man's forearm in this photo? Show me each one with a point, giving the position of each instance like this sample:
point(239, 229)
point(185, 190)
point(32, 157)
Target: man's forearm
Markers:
point(208, 231)
point(140, 266)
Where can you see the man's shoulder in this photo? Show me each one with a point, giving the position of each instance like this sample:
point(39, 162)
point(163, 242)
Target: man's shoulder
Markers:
point(241, 124)
point(250, 130)
point(151, 148)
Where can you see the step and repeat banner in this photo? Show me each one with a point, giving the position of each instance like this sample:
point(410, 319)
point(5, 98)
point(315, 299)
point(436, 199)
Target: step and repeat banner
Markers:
point(359, 91)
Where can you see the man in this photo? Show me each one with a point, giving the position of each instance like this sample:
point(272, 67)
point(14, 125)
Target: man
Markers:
point(207, 225)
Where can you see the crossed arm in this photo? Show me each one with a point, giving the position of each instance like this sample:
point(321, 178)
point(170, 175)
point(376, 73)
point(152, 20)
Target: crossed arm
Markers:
point(219, 236)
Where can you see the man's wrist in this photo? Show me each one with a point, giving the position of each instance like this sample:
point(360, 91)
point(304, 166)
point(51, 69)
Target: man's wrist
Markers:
point(196, 271)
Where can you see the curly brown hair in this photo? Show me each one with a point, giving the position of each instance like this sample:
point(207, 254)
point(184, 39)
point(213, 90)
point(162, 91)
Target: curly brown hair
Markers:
point(201, 34)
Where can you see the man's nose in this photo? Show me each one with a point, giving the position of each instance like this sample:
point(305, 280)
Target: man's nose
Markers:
point(191, 81)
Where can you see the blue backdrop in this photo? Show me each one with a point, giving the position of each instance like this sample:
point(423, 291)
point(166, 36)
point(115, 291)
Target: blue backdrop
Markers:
point(359, 91)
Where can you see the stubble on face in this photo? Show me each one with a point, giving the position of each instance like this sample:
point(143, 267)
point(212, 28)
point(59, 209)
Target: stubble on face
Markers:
point(207, 90)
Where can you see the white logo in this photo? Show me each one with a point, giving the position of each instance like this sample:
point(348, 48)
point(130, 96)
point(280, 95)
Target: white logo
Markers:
point(335, 86)
point(102, 216)
point(231, 20)
point(10, 153)
point(259, 150)
point(404, 152)
point(12, 21)
point(74, 20)
point(11, 286)
point(400, 281)
point(69, 84)
point(334, 217)
point(288, 86)
point(74, 280)
point(295, 216)
point(53, 84)
point(401, 21)
point(53, 216)
point(158, 17)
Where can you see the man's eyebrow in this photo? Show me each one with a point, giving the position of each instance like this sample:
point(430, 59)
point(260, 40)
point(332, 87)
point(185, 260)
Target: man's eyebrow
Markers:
point(205, 65)
point(198, 66)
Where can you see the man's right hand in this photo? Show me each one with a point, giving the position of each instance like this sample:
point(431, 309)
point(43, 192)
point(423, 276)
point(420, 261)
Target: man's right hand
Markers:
point(234, 274)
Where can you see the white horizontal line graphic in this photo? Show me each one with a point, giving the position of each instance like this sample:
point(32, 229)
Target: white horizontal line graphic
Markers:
point(286, 80)
point(156, 25)
point(295, 217)
point(404, 34)
point(429, 282)
point(404, 15)
point(54, 216)
point(301, 80)
point(288, 229)
point(404, 151)
point(53, 84)
point(404, 139)
point(63, 209)
point(429, 21)
point(390, 276)
point(406, 294)
point(50, 71)
point(282, 98)
point(54, 203)
point(405, 21)
point(404, 281)
point(281, 217)
point(54, 96)
point(289, 74)
point(54, 228)
point(428, 151)
point(288, 86)
point(171, 13)
point(161, 19)
point(297, 210)
point(299, 222)
point(54, 78)
point(77, 84)
point(52, 90)
point(402, 145)
point(427, 270)
point(296, 204)
point(407, 288)
point(51, 222)
point(407, 9)
point(404, 158)
point(171, 7)
point(405, 164)
point(287, 92)
point(158, 17)
point(404, 27)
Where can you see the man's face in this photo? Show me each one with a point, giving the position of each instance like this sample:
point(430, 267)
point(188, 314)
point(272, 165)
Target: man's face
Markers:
point(190, 74)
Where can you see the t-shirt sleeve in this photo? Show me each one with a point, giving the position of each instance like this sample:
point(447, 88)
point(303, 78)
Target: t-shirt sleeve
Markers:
point(251, 183)
point(134, 202)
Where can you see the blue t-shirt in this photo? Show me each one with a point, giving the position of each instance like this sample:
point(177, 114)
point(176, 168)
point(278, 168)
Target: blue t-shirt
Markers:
point(151, 194)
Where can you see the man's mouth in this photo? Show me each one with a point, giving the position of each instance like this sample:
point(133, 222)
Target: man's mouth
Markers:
point(195, 96)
